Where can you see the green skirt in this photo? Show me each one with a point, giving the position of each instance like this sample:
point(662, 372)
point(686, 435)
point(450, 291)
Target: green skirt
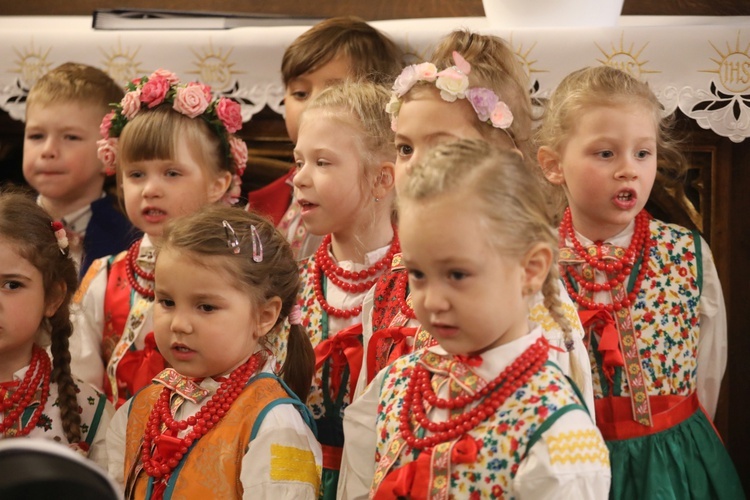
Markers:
point(687, 461)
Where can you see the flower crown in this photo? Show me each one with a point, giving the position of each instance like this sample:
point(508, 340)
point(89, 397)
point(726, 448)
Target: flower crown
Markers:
point(193, 100)
point(453, 84)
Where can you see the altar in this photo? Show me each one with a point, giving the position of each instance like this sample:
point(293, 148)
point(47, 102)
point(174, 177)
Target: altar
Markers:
point(700, 65)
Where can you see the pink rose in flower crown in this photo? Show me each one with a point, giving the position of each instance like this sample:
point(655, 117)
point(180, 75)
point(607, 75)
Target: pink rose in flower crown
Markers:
point(166, 74)
point(238, 151)
point(190, 101)
point(206, 89)
point(106, 124)
point(232, 196)
point(154, 91)
point(230, 114)
point(107, 154)
point(405, 80)
point(131, 104)
point(483, 101)
point(501, 116)
point(426, 71)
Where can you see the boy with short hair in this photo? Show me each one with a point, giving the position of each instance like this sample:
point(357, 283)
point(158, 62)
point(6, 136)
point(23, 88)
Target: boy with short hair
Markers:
point(333, 50)
point(64, 110)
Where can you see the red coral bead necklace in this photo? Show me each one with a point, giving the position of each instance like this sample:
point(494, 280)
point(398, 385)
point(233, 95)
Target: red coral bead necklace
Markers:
point(640, 246)
point(402, 295)
point(134, 269)
point(358, 280)
point(419, 392)
point(39, 371)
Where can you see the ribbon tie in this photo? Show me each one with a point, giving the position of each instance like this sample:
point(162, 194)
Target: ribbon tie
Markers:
point(603, 323)
point(137, 368)
point(398, 347)
point(182, 385)
point(343, 349)
point(456, 368)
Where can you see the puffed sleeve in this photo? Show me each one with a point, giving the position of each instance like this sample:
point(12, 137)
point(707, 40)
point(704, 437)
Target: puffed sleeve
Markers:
point(97, 415)
point(712, 343)
point(115, 443)
point(284, 460)
point(87, 316)
point(570, 460)
point(367, 309)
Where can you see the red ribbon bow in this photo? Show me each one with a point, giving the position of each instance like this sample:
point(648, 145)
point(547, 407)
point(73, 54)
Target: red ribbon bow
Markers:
point(398, 334)
point(344, 348)
point(602, 322)
point(137, 368)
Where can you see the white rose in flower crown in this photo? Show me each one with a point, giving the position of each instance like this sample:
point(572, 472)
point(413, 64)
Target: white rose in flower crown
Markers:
point(131, 104)
point(190, 101)
point(426, 71)
point(405, 80)
point(452, 84)
point(394, 105)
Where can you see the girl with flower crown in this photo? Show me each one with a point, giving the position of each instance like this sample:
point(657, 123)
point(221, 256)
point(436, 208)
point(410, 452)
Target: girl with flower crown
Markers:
point(486, 412)
point(218, 423)
point(647, 292)
point(481, 94)
point(344, 185)
point(38, 397)
point(173, 148)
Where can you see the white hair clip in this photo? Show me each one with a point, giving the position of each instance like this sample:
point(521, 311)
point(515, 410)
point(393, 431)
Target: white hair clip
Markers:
point(257, 244)
point(232, 241)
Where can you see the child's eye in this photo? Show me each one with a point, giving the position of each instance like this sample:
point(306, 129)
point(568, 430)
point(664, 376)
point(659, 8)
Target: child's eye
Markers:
point(134, 174)
point(300, 95)
point(72, 137)
point(166, 303)
point(207, 308)
point(457, 275)
point(299, 164)
point(322, 163)
point(172, 173)
point(642, 154)
point(605, 154)
point(34, 137)
point(12, 285)
point(416, 274)
point(404, 150)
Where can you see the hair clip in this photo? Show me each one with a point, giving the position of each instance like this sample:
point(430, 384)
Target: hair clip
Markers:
point(232, 241)
point(61, 236)
point(257, 244)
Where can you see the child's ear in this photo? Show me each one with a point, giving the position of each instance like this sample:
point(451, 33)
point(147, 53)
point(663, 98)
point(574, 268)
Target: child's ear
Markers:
point(218, 186)
point(55, 299)
point(549, 161)
point(536, 265)
point(385, 180)
point(268, 315)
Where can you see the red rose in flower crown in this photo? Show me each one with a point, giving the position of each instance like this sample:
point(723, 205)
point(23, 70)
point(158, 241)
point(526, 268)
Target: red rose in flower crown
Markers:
point(193, 99)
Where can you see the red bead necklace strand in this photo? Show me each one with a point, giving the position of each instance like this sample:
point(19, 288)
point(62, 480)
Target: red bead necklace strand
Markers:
point(640, 246)
point(358, 280)
point(401, 295)
point(419, 392)
point(158, 466)
point(134, 269)
point(39, 371)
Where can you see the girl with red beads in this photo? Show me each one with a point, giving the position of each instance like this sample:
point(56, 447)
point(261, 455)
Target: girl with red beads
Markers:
point(174, 150)
point(473, 88)
point(647, 292)
point(219, 423)
point(344, 185)
point(485, 413)
point(39, 398)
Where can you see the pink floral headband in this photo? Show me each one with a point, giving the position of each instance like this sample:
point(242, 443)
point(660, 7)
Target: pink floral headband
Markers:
point(453, 84)
point(193, 99)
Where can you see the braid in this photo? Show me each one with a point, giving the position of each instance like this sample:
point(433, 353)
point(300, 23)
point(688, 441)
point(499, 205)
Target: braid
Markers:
point(66, 387)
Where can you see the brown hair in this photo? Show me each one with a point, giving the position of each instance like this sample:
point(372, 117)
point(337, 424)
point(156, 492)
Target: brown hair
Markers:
point(29, 228)
point(513, 206)
point(374, 56)
point(277, 275)
point(601, 86)
point(75, 82)
point(495, 66)
point(153, 134)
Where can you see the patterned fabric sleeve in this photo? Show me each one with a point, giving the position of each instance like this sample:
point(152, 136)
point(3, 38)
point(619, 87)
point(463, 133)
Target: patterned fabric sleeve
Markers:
point(569, 461)
point(712, 344)
point(284, 461)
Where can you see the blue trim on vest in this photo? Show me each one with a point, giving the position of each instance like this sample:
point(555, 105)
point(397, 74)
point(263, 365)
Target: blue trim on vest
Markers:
point(292, 400)
point(97, 418)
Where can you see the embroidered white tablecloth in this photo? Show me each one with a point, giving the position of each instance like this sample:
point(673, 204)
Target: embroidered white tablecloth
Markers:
point(699, 64)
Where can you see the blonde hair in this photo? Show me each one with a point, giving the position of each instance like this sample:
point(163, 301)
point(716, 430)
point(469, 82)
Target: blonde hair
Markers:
point(512, 204)
point(77, 83)
point(604, 86)
point(495, 66)
point(154, 134)
point(373, 56)
point(276, 275)
point(362, 105)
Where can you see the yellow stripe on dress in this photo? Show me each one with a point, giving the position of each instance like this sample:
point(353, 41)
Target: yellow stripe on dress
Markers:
point(294, 464)
point(584, 446)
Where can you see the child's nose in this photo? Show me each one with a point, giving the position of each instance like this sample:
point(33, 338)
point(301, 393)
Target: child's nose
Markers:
point(434, 299)
point(152, 188)
point(301, 177)
point(50, 148)
point(180, 324)
point(627, 168)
